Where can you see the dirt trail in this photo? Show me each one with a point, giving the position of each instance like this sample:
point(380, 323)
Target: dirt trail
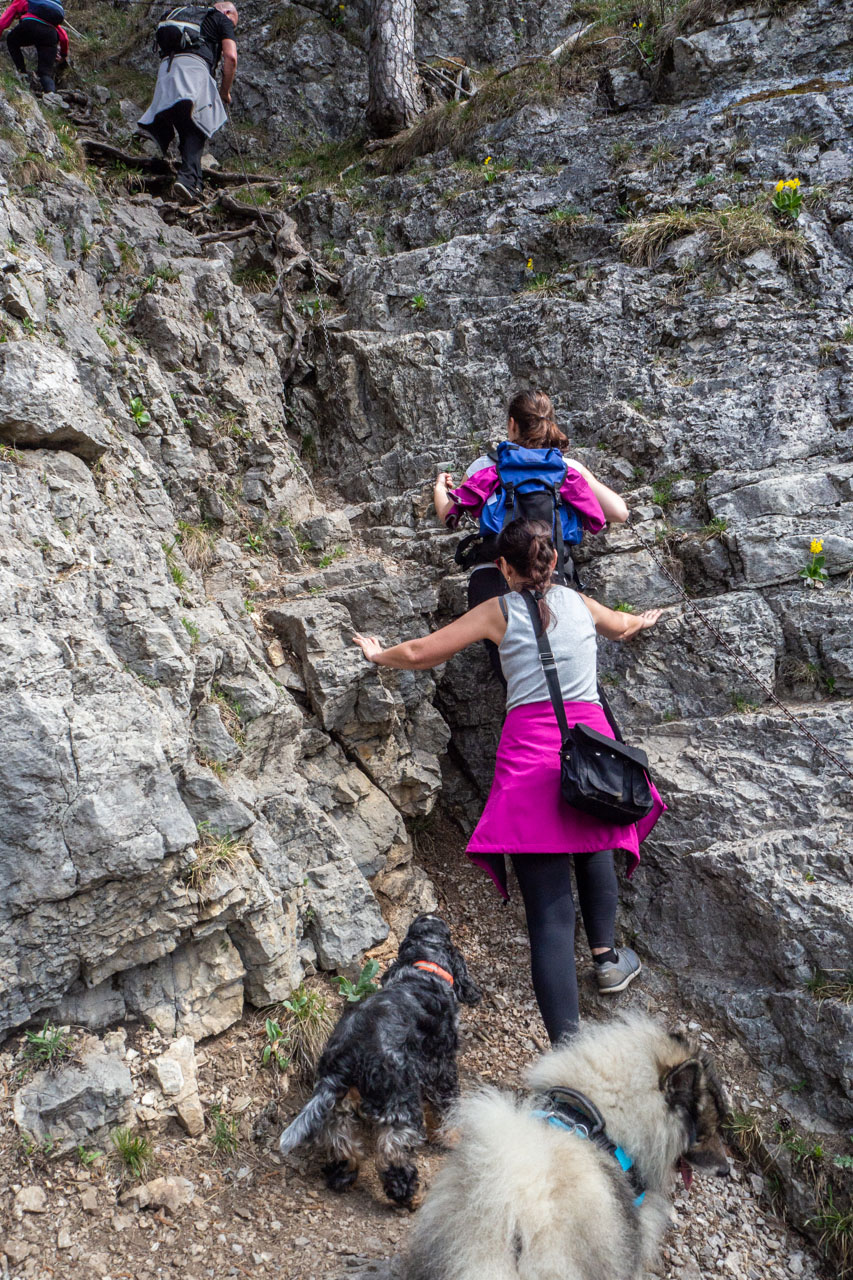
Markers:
point(252, 1217)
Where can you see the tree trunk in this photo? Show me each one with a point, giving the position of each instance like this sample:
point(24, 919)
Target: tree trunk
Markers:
point(395, 99)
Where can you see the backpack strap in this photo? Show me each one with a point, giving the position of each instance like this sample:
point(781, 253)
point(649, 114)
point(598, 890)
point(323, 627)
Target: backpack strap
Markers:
point(509, 493)
point(549, 665)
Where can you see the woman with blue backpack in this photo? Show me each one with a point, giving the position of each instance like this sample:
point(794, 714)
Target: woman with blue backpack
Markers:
point(525, 477)
point(40, 28)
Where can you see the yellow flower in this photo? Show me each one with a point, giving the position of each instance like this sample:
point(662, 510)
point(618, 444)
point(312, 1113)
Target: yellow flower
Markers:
point(488, 160)
point(780, 184)
point(795, 182)
point(816, 547)
point(529, 264)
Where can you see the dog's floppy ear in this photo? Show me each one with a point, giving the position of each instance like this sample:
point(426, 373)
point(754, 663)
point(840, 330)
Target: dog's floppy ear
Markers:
point(680, 1085)
point(467, 991)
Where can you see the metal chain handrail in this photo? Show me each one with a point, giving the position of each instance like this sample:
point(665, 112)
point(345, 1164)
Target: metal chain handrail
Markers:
point(757, 679)
point(647, 546)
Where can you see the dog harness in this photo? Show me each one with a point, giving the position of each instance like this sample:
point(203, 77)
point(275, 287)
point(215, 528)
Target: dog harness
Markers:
point(573, 1112)
point(428, 967)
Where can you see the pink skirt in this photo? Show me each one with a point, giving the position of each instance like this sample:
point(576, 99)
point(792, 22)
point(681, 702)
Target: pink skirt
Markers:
point(525, 812)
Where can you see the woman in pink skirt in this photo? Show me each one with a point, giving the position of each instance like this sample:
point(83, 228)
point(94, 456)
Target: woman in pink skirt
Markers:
point(525, 815)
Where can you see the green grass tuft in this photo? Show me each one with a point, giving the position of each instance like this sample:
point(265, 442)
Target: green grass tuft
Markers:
point(134, 1151)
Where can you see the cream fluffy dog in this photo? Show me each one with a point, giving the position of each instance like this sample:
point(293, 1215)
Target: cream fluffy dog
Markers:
point(526, 1196)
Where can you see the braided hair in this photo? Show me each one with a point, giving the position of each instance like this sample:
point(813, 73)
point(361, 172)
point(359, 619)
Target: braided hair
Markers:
point(533, 414)
point(528, 547)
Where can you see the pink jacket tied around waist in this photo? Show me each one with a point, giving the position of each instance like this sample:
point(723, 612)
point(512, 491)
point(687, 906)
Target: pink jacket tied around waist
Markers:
point(471, 496)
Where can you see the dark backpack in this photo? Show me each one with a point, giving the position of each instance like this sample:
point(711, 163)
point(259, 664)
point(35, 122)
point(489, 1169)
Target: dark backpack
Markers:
point(530, 482)
point(46, 11)
point(179, 30)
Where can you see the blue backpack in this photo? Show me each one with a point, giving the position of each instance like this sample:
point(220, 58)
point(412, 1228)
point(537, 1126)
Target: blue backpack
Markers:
point(46, 11)
point(530, 481)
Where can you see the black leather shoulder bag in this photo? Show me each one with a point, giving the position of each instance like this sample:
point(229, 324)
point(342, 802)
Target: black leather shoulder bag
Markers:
point(599, 775)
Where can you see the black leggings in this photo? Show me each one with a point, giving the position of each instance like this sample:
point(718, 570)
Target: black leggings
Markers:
point(546, 886)
point(29, 33)
point(179, 119)
point(485, 584)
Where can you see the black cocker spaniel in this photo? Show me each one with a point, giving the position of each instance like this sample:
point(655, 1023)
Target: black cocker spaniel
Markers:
point(385, 1059)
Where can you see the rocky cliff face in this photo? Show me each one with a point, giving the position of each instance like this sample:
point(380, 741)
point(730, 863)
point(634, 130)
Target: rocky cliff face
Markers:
point(205, 787)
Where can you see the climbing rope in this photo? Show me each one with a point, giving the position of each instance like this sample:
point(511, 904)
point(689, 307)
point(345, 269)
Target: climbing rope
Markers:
point(745, 667)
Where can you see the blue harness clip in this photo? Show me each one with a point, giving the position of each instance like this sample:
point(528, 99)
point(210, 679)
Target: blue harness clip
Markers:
point(580, 1131)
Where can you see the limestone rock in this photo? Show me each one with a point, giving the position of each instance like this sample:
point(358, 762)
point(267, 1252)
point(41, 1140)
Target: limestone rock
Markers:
point(76, 1105)
point(61, 416)
point(30, 1200)
point(196, 991)
point(172, 1194)
point(346, 918)
point(177, 1075)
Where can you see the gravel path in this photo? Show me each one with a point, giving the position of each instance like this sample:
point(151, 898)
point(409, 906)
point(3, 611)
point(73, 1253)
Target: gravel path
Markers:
point(252, 1217)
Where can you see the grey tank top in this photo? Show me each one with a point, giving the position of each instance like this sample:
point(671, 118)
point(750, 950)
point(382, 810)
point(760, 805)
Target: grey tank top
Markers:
point(572, 639)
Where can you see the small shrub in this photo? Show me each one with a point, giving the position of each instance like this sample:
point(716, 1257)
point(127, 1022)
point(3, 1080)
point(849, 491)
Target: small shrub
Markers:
point(213, 853)
point(191, 630)
point(798, 142)
point(418, 302)
point(305, 1021)
point(662, 490)
point(624, 607)
point(197, 544)
point(274, 1050)
point(836, 1232)
point(621, 152)
point(745, 1131)
point(541, 282)
point(256, 542)
point(814, 570)
point(787, 198)
point(823, 986)
point(732, 233)
point(133, 1150)
point(48, 1047)
point(568, 218)
point(661, 154)
point(87, 1158)
point(329, 558)
point(138, 412)
point(741, 705)
point(231, 714)
point(224, 1137)
point(176, 573)
point(714, 528)
point(363, 986)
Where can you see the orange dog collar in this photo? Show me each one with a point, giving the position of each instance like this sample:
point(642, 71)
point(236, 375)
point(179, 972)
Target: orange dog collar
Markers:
point(429, 967)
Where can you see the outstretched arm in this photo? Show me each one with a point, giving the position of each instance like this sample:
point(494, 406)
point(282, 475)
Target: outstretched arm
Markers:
point(485, 622)
point(616, 625)
point(614, 508)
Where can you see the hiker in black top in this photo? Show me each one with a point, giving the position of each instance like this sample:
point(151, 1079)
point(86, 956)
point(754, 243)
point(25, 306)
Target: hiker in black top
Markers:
point(38, 27)
point(191, 41)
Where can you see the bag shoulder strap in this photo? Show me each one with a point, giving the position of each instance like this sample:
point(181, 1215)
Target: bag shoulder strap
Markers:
point(549, 665)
